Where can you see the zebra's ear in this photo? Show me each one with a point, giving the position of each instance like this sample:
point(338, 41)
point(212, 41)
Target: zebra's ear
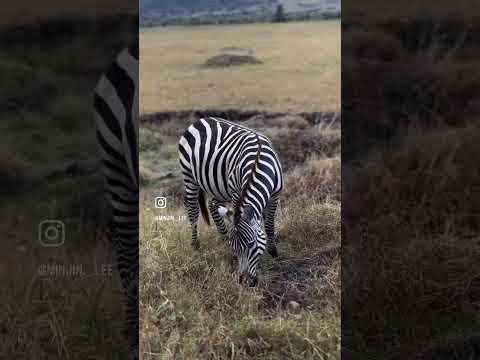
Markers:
point(226, 213)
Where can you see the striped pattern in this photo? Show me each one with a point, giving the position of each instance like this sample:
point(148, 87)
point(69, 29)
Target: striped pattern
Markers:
point(231, 163)
point(116, 114)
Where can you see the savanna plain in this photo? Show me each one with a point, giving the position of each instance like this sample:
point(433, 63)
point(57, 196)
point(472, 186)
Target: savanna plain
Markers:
point(284, 81)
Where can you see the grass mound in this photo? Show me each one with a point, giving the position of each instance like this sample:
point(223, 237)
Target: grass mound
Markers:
point(224, 60)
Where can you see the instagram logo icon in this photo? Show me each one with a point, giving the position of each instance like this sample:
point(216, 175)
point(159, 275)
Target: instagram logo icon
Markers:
point(51, 233)
point(160, 202)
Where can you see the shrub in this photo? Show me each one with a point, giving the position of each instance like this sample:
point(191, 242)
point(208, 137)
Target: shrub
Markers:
point(295, 146)
point(149, 140)
point(224, 60)
point(321, 177)
point(308, 225)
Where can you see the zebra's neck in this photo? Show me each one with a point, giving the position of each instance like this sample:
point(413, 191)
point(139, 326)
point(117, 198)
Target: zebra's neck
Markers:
point(248, 172)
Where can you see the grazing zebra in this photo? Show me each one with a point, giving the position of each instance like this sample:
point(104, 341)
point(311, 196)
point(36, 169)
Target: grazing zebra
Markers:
point(231, 163)
point(116, 114)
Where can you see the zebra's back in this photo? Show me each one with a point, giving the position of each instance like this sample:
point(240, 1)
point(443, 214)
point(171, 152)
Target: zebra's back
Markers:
point(219, 157)
point(116, 113)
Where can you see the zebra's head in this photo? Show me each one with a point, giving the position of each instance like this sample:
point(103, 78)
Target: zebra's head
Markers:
point(247, 240)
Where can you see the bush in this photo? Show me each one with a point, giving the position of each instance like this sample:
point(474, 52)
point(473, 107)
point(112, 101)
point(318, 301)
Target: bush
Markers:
point(307, 225)
point(321, 177)
point(148, 139)
point(224, 60)
point(295, 146)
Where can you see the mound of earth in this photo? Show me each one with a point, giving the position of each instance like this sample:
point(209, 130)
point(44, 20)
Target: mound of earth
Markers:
point(224, 60)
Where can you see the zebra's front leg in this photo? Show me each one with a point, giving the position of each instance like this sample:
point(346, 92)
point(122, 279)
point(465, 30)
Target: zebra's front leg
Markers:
point(269, 218)
point(193, 208)
point(218, 219)
point(222, 229)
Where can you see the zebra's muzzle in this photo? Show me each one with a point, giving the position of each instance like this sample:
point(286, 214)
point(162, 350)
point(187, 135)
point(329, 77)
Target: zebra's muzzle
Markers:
point(247, 279)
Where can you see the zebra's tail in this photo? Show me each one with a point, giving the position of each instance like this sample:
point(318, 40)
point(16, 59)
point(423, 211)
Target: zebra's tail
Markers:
point(203, 206)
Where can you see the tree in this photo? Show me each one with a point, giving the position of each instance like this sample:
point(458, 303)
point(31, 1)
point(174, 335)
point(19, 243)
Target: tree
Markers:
point(279, 14)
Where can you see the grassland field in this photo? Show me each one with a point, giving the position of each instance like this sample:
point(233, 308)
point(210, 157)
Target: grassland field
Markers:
point(300, 70)
point(191, 304)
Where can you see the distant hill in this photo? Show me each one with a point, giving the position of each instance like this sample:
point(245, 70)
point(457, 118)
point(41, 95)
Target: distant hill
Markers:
point(171, 11)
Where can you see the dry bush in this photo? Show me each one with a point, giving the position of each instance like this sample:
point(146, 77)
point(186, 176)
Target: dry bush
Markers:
point(307, 225)
point(223, 60)
point(266, 121)
point(290, 121)
point(149, 139)
point(321, 177)
point(296, 146)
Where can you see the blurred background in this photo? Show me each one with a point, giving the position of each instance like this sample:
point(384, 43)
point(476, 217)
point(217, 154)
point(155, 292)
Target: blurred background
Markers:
point(59, 293)
point(410, 249)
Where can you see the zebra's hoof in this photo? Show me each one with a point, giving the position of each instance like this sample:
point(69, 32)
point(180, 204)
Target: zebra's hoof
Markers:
point(273, 252)
point(195, 245)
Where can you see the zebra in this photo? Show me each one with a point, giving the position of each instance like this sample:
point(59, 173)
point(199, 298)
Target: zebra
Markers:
point(231, 163)
point(116, 117)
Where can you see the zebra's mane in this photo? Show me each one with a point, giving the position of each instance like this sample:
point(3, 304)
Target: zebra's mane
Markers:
point(237, 210)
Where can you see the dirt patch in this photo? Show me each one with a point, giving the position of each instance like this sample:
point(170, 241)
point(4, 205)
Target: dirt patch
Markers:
point(293, 277)
point(224, 60)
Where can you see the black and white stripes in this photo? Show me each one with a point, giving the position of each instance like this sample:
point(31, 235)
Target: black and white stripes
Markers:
point(231, 163)
point(116, 114)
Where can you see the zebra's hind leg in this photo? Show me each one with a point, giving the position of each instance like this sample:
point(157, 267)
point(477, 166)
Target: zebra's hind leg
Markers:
point(193, 208)
point(218, 219)
point(126, 248)
point(269, 218)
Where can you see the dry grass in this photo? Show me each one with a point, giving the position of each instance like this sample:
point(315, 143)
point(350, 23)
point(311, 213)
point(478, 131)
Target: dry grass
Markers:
point(192, 306)
point(321, 175)
point(299, 58)
point(410, 249)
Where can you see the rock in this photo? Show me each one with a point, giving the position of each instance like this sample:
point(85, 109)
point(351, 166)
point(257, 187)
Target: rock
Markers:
point(293, 305)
